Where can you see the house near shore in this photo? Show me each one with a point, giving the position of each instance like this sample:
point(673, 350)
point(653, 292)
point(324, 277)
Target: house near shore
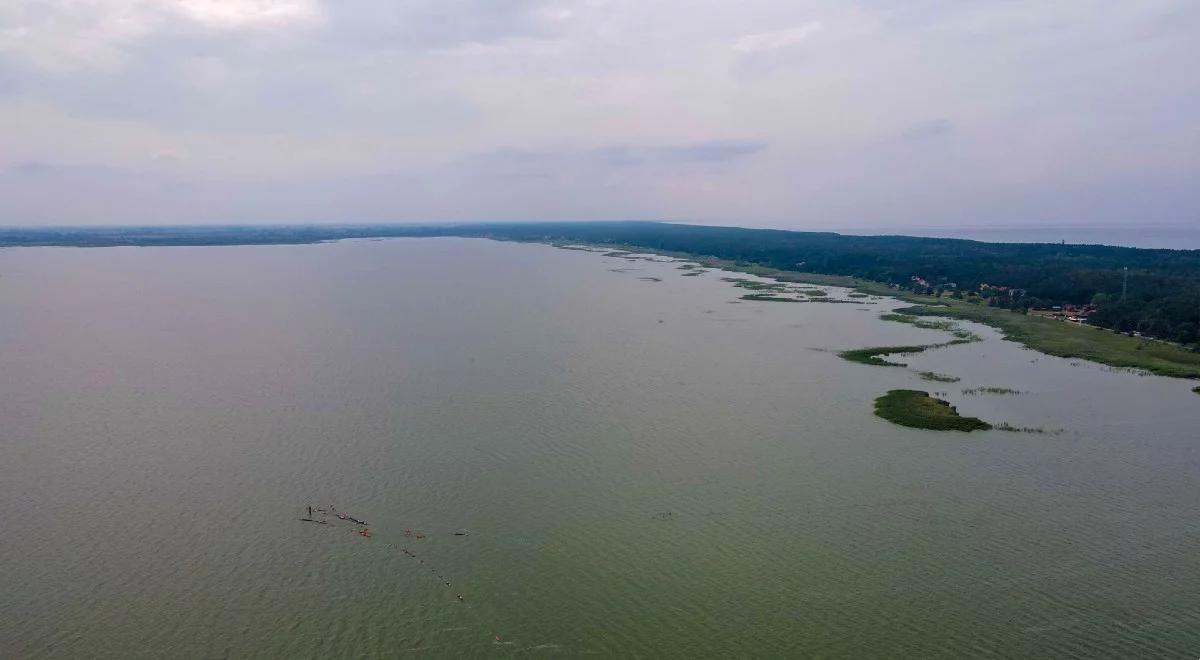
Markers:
point(1072, 313)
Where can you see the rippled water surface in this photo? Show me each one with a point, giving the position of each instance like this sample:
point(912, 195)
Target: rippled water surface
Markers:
point(645, 468)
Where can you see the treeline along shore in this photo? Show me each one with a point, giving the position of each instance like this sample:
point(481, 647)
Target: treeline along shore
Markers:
point(1028, 290)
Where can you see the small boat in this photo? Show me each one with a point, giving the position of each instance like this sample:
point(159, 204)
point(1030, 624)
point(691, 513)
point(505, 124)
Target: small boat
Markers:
point(319, 522)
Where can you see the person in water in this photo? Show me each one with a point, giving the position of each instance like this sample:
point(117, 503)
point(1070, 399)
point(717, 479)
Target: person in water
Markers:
point(310, 512)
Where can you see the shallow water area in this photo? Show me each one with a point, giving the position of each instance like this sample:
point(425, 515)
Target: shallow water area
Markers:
point(646, 465)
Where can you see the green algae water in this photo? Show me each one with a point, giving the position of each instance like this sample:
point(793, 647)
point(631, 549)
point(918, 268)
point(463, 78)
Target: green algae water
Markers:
point(642, 468)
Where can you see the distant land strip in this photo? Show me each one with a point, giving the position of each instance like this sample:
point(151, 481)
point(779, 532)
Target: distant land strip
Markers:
point(1027, 290)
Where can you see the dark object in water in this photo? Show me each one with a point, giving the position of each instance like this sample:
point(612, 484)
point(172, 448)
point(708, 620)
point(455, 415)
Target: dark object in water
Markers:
point(319, 522)
point(461, 532)
point(344, 516)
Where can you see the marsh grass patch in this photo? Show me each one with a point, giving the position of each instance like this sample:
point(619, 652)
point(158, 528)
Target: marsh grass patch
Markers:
point(917, 409)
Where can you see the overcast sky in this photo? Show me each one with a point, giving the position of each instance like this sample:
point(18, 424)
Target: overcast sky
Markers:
point(804, 114)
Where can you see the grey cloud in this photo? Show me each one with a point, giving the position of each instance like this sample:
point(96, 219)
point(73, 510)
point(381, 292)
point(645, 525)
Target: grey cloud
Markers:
point(620, 156)
point(701, 152)
point(35, 192)
point(196, 80)
point(932, 110)
point(927, 130)
point(28, 168)
point(714, 152)
point(428, 24)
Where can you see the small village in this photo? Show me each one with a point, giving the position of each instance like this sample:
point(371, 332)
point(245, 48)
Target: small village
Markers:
point(1009, 297)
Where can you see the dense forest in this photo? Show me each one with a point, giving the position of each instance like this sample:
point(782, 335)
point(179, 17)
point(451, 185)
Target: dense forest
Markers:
point(1161, 294)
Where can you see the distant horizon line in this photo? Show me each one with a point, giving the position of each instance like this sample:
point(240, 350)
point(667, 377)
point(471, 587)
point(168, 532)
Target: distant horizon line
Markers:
point(1145, 236)
point(699, 223)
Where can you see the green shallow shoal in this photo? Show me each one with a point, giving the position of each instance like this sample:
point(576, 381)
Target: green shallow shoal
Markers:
point(920, 410)
point(1072, 341)
point(873, 355)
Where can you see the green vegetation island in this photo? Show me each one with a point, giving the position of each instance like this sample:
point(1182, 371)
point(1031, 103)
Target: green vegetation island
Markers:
point(940, 378)
point(1125, 307)
point(918, 409)
point(873, 355)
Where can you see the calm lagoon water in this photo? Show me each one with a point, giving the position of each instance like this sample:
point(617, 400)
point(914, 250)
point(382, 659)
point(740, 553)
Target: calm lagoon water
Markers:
point(645, 468)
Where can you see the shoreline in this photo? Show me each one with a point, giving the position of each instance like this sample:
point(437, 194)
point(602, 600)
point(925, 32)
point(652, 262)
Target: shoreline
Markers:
point(1049, 336)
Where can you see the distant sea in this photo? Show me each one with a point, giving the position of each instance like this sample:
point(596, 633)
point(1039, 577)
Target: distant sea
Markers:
point(1176, 237)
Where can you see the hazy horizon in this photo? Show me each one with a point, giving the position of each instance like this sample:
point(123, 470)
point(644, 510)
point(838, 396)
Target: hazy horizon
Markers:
point(1177, 236)
point(814, 115)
